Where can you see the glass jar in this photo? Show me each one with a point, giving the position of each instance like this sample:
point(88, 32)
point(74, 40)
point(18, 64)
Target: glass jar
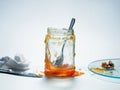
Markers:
point(59, 52)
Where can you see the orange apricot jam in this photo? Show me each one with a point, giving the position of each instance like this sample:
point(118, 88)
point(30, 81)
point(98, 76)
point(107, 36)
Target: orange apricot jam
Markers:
point(60, 71)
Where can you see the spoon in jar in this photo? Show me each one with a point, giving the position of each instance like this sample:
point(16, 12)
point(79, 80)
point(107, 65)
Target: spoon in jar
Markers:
point(59, 60)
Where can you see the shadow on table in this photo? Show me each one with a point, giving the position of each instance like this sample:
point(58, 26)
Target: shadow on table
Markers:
point(60, 83)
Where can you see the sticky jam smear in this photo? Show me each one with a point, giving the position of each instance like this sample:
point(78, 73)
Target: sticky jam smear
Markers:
point(60, 71)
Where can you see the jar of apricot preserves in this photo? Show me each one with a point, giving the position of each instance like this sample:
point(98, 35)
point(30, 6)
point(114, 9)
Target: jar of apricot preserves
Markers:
point(59, 52)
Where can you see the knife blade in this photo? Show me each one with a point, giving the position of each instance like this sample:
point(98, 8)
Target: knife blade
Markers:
point(25, 74)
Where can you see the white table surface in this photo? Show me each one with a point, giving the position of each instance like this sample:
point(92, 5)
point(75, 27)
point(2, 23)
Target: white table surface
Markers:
point(23, 26)
point(84, 82)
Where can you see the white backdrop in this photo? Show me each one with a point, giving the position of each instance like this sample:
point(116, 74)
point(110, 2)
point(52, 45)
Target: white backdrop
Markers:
point(23, 26)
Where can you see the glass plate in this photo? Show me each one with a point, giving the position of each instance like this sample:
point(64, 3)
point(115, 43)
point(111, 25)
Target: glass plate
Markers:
point(96, 68)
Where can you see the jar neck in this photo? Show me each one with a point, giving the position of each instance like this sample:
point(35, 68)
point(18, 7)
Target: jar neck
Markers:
point(59, 32)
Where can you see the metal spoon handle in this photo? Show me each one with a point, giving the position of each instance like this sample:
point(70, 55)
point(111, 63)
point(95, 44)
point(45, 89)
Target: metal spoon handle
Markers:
point(70, 28)
point(71, 24)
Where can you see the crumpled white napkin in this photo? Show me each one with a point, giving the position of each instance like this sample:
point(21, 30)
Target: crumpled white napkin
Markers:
point(19, 63)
